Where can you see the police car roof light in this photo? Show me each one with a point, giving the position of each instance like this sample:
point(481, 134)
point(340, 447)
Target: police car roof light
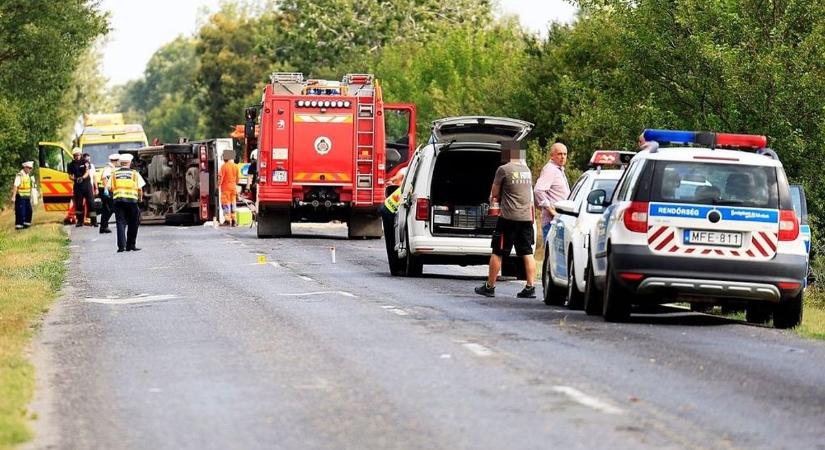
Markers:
point(610, 157)
point(708, 139)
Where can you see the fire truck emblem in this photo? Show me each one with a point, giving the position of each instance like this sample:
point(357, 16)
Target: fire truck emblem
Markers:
point(323, 145)
point(281, 124)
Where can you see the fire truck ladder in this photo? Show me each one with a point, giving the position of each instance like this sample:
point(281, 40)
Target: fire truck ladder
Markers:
point(365, 148)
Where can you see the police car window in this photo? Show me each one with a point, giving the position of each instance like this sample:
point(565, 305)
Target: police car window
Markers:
point(715, 184)
point(627, 181)
point(606, 185)
point(412, 173)
point(577, 187)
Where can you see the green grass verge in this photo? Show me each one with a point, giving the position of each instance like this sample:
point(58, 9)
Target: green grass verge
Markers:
point(813, 314)
point(31, 271)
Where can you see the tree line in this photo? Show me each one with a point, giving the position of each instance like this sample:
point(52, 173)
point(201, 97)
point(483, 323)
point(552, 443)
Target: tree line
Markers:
point(46, 65)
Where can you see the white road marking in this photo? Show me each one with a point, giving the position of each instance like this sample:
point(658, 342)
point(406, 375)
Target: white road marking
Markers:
point(161, 268)
point(143, 298)
point(446, 356)
point(304, 294)
point(477, 349)
point(587, 400)
point(305, 278)
point(399, 312)
point(155, 390)
point(274, 264)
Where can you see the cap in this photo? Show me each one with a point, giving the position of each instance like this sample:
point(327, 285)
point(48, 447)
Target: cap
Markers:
point(126, 157)
point(254, 154)
point(114, 157)
point(76, 151)
point(29, 164)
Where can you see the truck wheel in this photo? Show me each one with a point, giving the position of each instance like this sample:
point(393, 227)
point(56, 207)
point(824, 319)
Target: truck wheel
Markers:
point(274, 223)
point(616, 301)
point(592, 294)
point(513, 267)
point(574, 296)
point(788, 313)
point(758, 312)
point(553, 295)
point(180, 219)
point(364, 226)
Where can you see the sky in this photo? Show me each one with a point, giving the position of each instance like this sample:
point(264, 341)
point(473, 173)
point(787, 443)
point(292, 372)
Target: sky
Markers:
point(140, 28)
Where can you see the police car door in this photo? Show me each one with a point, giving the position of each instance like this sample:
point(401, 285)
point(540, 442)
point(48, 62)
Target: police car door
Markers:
point(563, 225)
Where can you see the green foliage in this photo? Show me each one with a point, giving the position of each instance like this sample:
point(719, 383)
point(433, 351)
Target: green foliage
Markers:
point(42, 43)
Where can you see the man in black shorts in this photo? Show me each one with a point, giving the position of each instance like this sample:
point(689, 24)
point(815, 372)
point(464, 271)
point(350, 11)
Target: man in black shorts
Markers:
point(513, 189)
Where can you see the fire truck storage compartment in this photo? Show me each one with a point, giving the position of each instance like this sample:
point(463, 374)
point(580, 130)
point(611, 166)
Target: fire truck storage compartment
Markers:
point(460, 192)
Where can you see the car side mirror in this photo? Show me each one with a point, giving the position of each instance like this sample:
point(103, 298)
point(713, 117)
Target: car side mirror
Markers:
point(597, 201)
point(566, 207)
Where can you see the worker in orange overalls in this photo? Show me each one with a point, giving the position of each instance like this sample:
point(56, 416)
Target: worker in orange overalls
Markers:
point(228, 183)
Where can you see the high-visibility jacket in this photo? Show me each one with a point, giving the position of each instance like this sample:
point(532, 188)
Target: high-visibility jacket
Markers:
point(125, 185)
point(25, 188)
point(393, 200)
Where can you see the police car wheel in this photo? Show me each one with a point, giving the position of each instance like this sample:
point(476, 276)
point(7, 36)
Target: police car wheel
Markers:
point(758, 312)
point(616, 306)
point(553, 295)
point(592, 295)
point(788, 313)
point(574, 296)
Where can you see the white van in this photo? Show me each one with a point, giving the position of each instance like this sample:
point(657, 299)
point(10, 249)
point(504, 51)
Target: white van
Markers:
point(443, 217)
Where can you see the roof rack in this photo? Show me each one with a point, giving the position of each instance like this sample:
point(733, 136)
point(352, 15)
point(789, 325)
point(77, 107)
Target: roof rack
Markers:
point(358, 78)
point(286, 77)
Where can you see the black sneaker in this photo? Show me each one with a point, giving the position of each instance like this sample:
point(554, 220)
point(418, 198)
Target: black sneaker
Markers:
point(105, 230)
point(527, 292)
point(487, 291)
point(133, 249)
point(120, 250)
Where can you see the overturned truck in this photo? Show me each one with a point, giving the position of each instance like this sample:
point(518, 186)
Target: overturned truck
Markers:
point(181, 181)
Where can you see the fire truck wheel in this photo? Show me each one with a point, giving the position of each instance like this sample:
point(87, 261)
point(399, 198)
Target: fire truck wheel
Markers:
point(274, 223)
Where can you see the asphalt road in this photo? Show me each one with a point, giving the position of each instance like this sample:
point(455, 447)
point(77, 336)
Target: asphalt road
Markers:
point(192, 344)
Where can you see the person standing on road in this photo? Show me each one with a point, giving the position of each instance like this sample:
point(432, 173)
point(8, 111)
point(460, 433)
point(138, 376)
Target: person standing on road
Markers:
point(104, 187)
point(127, 192)
point(388, 211)
point(551, 186)
point(21, 195)
point(79, 173)
point(228, 182)
point(252, 175)
point(513, 189)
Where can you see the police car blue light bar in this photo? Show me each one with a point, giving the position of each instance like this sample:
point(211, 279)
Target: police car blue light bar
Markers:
point(709, 139)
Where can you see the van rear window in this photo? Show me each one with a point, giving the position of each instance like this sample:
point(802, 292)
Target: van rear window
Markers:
point(714, 184)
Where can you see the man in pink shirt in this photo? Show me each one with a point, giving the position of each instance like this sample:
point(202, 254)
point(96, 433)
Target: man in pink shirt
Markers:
point(551, 186)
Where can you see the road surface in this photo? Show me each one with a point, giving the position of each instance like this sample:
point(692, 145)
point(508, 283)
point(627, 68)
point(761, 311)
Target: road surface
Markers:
point(192, 344)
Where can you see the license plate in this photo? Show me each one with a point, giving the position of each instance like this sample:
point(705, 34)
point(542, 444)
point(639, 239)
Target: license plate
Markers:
point(279, 176)
point(442, 220)
point(718, 238)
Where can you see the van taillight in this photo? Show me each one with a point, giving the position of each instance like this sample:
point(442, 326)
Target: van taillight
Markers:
point(422, 209)
point(635, 217)
point(788, 225)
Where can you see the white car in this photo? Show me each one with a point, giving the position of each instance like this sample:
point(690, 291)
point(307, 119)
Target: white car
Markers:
point(443, 216)
point(731, 238)
point(565, 250)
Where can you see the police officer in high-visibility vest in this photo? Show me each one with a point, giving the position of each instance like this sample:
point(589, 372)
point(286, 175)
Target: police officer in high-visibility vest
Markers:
point(388, 210)
point(21, 195)
point(127, 191)
point(104, 189)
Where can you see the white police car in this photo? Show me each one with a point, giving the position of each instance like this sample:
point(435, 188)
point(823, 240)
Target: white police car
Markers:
point(732, 238)
point(565, 251)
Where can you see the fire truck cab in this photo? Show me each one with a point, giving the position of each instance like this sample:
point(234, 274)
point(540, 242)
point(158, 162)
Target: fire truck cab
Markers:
point(326, 149)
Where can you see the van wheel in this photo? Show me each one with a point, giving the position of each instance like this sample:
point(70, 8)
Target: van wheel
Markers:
point(574, 296)
point(412, 265)
point(758, 312)
point(616, 302)
point(592, 294)
point(553, 295)
point(788, 314)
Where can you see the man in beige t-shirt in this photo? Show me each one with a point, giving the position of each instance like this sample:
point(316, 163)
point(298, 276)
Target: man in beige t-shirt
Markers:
point(513, 189)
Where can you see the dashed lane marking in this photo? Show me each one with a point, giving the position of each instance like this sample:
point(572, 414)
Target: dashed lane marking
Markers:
point(305, 278)
point(477, 349)
point(143, 298)
point(306, 294)
point(587, 400)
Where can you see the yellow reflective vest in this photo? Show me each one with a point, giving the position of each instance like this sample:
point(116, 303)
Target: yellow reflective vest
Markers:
point(25, 188)
point(125, 185)
point(392, 202)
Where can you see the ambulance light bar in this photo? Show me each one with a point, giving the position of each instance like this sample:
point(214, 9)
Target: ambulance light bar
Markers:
point(708, 139)
point(610, 158)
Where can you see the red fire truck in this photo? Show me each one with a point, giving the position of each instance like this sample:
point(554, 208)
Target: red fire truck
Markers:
point(325, 151)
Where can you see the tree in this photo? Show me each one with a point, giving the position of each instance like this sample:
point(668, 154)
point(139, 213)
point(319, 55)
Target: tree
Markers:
point(42, 43)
